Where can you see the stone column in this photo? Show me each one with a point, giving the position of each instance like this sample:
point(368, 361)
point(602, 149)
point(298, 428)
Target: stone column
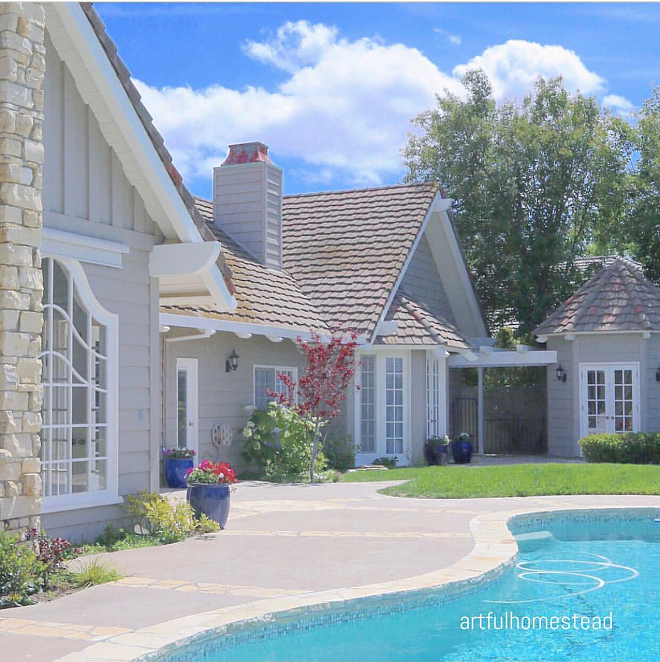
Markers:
point(22, 65)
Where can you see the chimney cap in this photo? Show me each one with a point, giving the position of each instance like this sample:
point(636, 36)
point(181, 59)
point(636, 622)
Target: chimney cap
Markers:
point(252, 152)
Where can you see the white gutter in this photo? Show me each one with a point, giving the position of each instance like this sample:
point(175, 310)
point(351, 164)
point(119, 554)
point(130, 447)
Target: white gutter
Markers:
point(198, 336)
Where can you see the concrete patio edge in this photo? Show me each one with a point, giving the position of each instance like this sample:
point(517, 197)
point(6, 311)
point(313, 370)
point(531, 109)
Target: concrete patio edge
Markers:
point(494, 552)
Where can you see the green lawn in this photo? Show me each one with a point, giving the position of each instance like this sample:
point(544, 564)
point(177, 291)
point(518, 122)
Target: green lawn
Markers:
point(459, 482)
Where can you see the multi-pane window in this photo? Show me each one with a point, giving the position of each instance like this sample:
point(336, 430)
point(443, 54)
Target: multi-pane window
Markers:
point(623, 400)
point(74, 449)
point(368, 404)
point(432, 397)
point(393, 405)
point(596, 400)
point(266, 380)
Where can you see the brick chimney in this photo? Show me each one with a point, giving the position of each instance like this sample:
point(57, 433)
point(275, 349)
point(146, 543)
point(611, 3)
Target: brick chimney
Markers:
point(247, 201)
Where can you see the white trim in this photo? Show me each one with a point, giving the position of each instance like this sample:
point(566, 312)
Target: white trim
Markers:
point(583, 368)
point(505, 358)
point(183, 259)
point(202, 335)
point(276, 368)
point(61, 244)
point(191, 368)
point(60, 504)
point(570, 335)
point(438, 205)
point(436, 395)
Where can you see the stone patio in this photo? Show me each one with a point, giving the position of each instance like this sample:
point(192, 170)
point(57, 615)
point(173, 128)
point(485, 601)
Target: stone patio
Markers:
point(284, 546)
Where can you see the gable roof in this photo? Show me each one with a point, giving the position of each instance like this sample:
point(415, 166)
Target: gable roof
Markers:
point(263, 296)
point(346, 249)
point(417, 325)
point(124, 77)
point(617, 298)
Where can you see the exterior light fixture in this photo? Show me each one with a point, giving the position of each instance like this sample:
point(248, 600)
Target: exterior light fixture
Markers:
point(657, 375)
point(561, 373)
point(232, 362)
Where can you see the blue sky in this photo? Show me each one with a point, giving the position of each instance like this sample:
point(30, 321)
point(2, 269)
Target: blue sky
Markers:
point(330, 87)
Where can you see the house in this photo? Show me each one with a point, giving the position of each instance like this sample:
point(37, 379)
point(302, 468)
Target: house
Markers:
point(134, 316)
point(607, 339)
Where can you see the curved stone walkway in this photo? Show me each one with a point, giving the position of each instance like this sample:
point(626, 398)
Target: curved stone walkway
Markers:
point(285, 546)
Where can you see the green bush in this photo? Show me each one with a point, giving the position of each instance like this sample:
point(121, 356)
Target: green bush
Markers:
point(278, 442)
point(340, 453)
point(627, 448)
point(20, 572)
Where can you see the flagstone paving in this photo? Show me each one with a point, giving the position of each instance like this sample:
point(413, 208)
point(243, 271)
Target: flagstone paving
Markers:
point(284, 546)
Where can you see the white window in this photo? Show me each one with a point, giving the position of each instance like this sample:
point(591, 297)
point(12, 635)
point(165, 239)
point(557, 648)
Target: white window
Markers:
point(266, 379)
point(435, 397)
point(393, 405)
point(78, 449)
point(368, 404)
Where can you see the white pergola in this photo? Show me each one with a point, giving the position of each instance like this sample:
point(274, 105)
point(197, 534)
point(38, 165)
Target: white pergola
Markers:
point(488, 356)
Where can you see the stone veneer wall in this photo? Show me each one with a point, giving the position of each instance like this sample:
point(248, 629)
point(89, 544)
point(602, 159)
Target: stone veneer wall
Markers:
point(22, 65)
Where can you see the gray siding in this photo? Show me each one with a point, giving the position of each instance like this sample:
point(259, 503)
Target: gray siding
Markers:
point(653, 396)
point(223, 396)
point(83, 177)
point(424, 284)
point(417, 405)
point(563, 417)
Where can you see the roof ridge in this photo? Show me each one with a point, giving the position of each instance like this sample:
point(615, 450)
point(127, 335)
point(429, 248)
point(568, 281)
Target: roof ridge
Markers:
point(632, 290)
point(362, 190)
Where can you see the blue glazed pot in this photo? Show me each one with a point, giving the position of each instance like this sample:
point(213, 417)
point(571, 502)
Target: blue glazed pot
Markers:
point(212, 500)
point(462, 451)
point(175, 471)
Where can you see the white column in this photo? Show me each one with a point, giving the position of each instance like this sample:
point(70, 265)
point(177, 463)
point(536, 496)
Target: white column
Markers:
point(480, 415)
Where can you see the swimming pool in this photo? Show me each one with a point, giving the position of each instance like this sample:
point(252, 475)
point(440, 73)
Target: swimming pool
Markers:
point(585, 587)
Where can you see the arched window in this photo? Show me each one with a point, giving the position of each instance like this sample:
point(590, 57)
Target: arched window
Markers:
point(79, 355)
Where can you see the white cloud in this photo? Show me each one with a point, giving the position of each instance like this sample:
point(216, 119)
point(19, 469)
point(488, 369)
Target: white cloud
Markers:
point(514, 66)
point(618, 104)
point(344, 108)
point(455, 39)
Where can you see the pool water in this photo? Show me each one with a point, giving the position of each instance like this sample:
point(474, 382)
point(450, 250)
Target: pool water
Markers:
point(581, 590)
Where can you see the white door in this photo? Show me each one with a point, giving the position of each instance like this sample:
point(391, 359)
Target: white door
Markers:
point(382, 411)
point(186, 403)
point(609, 398)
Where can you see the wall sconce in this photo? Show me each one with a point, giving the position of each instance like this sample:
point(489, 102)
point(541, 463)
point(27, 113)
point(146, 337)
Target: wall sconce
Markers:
point(232, 362)
point(657, 375)
point(561, 374)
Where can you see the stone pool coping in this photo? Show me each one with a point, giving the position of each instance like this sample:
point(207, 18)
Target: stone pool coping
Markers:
point(494, 552)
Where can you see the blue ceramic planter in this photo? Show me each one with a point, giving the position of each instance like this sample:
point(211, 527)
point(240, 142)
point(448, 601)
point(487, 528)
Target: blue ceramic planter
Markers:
point(212, 500)
point(175, 471)
point(462, 451)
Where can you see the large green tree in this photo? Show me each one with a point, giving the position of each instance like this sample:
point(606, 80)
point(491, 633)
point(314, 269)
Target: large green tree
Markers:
point(535, 184)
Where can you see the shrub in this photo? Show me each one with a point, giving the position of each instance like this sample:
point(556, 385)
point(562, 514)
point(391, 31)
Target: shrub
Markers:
point(340, 453)
point(206, 525)
point(93, 574)
point(51, 552)
point(20, 572)
point(277, 441)
point(389, 462)
point(627, 448)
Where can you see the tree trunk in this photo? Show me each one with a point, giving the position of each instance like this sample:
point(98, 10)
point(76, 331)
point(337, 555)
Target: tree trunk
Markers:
point(315, 452)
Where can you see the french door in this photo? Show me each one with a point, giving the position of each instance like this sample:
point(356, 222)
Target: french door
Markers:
point(186, 404)
point(609, 398)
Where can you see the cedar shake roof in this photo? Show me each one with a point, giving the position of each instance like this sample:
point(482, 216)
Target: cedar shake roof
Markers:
point(617, 298)
point(419, 326)
point(346, 249)
point(264, 296)
point(124, 76)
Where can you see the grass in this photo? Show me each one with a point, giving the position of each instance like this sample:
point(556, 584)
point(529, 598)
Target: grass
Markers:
point(516, 480)
point(93, 573)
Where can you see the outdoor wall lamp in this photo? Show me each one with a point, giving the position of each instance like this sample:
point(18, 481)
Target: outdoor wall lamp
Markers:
point(561, 373)
point(232, 362)
point(657, 375)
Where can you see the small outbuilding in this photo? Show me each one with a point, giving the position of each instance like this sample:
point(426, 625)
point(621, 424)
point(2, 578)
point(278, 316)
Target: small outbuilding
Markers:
point(607, 377)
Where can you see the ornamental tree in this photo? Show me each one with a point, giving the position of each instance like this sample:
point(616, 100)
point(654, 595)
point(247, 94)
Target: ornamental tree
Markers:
point(318, 394)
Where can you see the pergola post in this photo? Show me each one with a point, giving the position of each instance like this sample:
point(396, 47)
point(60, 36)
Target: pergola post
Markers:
point(480, 411)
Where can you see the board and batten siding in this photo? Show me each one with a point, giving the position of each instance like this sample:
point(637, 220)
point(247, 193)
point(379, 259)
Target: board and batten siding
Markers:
point(653, 396)
point(83, 177)
point(86, 192)
point(423, 283)
point(562, 408)
point(222, 396)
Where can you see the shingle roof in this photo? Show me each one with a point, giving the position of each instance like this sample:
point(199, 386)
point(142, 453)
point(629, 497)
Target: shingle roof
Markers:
point(264, 296)
point(617, 298)
point(124, 76)
point(346, 248)
point(419, 326)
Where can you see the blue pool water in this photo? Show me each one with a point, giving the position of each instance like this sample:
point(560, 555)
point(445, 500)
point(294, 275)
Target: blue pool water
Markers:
point(583, 589)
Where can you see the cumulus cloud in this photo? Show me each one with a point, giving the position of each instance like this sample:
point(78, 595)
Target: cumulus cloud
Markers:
point(344, 108)
point(514, 66)
point(618, 104)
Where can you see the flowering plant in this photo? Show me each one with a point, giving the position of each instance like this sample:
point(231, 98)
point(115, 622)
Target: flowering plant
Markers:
point(212, 473)
point(178, 453)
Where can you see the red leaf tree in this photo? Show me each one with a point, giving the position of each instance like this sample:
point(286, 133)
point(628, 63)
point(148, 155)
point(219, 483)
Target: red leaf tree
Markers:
point(318, 394)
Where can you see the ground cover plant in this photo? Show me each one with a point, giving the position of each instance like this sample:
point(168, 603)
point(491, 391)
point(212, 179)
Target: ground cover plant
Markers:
point(458, 482)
